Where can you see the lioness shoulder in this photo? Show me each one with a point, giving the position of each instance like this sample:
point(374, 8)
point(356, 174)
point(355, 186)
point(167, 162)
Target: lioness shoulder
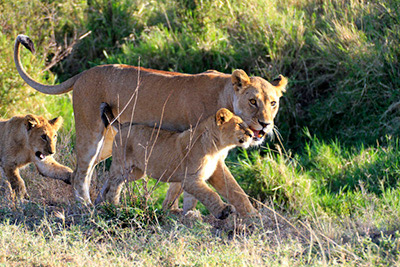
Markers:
point(30, 139)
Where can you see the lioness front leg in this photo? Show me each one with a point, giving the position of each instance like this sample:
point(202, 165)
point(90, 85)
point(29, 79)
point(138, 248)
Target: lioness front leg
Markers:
point(208, 197)
point(16, 182)
point(225, 184)
point(49, 167)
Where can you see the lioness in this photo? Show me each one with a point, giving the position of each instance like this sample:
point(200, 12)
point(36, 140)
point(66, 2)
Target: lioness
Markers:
point(25, 139)
point(177, 101)
point(188, 157)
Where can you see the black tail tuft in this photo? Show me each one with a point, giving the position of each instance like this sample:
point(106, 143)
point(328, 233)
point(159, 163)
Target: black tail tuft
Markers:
point(27, 42)
point(106, 114)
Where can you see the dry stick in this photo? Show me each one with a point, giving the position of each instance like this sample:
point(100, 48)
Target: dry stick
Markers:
point(312, 232)
point(135, 93)
point(327, 238)
point(190, 146)
point(146, 160)
point(158, 130)
point(68, 49)
point(277, 224)
point(262, 204)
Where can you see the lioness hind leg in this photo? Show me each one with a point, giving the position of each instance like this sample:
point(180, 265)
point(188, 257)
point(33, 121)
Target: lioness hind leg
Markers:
point(16, 182)
point(88, 147)
point(209, 198)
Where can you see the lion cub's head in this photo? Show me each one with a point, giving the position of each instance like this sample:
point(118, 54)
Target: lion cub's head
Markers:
point(42, 135)
point(233, 130)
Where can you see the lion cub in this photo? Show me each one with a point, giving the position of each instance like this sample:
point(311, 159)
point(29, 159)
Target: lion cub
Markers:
point(189, 157)
point(26, 139)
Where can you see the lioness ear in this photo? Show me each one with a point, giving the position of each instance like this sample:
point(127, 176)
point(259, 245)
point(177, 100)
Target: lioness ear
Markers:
point(56, 122)
point(223, 115)
point(280, 84)
point(240, 79)
point(30, 122)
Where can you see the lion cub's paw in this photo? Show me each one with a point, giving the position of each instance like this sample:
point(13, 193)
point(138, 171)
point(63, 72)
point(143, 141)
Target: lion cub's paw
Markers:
point(226, 212)
point(193, 214)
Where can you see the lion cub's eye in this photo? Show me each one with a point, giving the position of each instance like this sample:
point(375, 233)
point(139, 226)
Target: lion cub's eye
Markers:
point(273, 103)
point(44, 137)
point(253, 102)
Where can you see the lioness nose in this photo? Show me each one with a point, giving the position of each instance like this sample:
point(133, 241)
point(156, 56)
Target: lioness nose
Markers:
point(51, 150)
point(263, 124)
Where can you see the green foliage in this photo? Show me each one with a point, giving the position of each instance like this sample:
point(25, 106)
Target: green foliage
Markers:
point(22, 17)
point(133, 215)
point(335, 168)
point(272, 179)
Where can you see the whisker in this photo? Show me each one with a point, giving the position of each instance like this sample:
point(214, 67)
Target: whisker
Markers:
point(279, 137)
point(276, 131)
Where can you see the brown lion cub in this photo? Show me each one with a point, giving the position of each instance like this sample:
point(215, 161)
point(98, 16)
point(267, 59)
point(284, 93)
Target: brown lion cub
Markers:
point(26, 139)
point(188, 157)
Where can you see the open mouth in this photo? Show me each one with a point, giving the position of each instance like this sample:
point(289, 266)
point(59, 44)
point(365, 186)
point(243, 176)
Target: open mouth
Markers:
point(40, 155)
point(258, 134)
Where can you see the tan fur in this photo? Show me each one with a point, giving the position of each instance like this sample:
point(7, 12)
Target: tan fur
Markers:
point(176, 101)
point(26, 139)
point(189, 157)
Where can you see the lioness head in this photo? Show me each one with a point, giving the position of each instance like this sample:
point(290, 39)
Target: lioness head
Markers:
point(42, 135)
point(233, 130)
point(256, 101)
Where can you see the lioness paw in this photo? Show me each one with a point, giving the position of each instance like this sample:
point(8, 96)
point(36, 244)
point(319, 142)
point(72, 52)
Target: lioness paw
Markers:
point(225, 212)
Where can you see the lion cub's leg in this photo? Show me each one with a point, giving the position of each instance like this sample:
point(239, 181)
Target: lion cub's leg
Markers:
point(16, 182)
point(189, 202)
point(171, 199)
point(51, 168)
point(198, 188)
point(112, 188)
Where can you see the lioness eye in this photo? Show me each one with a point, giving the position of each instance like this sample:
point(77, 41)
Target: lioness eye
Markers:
point(44, 137)
point(273, 103)
point(253, 102)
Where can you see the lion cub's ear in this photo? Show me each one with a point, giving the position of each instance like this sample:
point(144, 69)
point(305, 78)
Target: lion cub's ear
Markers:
point(223, 116)
point(30, 122)
point(56, 122)
point(280, 84)
point(240, 79)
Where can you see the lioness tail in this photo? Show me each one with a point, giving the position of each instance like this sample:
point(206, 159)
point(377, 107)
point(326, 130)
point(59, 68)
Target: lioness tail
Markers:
point(43, 88)
point(107, 116)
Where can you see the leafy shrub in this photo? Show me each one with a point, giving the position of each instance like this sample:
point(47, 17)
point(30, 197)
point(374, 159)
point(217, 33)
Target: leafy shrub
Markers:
point(275, 178)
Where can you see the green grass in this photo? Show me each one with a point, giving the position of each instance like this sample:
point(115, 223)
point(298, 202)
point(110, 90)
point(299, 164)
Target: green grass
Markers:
point(327, 195)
